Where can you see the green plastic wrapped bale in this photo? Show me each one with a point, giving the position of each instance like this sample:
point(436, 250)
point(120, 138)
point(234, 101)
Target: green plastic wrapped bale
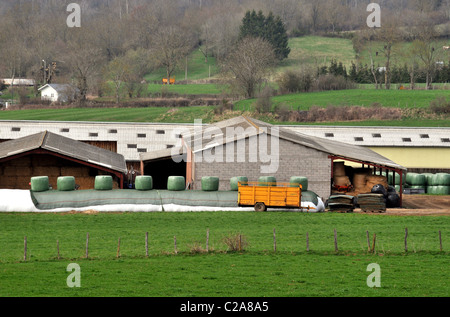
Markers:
point(66, 183)
point(103, 182)
point(302, 180)
point(176, 183)
point(210, 183)
point(418, 187)
point(143, 182)
point(428, 177)
point(415, 179)
point(397, 179)
point(267, 181)
point(440, 179)
point(234, 182)
point(438, 190)
point(39, 184)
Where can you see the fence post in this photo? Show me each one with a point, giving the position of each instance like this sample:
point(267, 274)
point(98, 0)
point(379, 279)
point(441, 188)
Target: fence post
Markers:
point(406, 237)
point(274, 241)
point(146, 244)
point(87, 245)
point(25, 248)
point(175, 244)
point(335, 241)
point(57, 248)
point(207, 240)
point(307, 241)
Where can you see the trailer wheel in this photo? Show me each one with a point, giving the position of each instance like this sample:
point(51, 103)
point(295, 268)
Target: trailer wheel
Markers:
point(260, 207)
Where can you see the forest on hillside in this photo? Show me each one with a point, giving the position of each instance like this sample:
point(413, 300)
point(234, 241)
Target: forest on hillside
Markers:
point(130, 38)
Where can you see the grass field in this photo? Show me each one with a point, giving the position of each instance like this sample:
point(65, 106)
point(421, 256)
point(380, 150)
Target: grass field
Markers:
point(258, 271)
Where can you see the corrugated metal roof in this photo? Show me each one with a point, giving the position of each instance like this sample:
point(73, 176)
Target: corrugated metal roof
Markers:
point(255, 127)
point(65, 146)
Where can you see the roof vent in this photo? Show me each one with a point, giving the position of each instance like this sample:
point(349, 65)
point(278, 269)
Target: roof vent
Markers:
point(376, 135)
point(359, 138)
point(446, 140)
point(329, 135)
point(112, 131)
point(424, 136)
point(142, 135)
point(93, 134)
point(406, 139)
point(15, 129)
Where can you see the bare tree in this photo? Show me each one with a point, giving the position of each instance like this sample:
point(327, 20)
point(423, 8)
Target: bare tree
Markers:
point(170, 45)
point(249, 65)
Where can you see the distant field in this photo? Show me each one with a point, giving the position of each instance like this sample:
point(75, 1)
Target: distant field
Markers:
point(355, 97)
point(258, 271)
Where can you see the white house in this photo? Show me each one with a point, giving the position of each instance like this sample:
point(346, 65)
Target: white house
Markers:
point(58, 92)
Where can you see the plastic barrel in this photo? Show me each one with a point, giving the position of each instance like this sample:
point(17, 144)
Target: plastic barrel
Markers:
point(302, 180)
point(235, 180)
point(103, 182)
point(66, 183)
point(267, 179)
point(210, 183)
point(143, 182)
point(176, 183)
point(39, 184)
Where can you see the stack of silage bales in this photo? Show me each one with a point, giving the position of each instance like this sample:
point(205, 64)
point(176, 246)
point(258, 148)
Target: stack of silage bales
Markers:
point(439, 184)
point(416, 181)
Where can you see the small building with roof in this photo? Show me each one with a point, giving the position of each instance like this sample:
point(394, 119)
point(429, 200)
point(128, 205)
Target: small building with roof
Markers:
point(58, 92)
point(53, 155)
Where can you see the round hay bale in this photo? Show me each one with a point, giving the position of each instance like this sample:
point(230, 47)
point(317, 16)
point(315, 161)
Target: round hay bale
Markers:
point(65, 183)
point(302, 180)
point(235, 180)
point(416, 179)
point(341, 181)
point(359, 180)
point(103, 182)
point(176, 183)
point(210, 183)
point(440, 179)
point(338, 169)
point(267, 181)
point(442, 190)
point(39, 183)
point(428, 178)
point(143, 182)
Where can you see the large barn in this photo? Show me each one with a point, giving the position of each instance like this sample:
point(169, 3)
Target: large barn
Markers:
point(247, 147)
point(53, 155)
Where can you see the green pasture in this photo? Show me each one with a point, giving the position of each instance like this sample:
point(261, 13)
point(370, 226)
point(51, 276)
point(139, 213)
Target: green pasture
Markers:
point(353, 97)
point(259, 270)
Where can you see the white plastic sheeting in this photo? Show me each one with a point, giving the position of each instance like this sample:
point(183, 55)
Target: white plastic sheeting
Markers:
point(13, 200)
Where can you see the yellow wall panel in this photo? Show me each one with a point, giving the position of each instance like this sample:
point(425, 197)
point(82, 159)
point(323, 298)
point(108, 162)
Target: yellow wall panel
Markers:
point(411, 157)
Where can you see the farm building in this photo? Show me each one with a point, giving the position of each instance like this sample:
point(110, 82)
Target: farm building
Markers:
point(418, 149)
point(247, 147)
point(58, 92)
point(52, 155)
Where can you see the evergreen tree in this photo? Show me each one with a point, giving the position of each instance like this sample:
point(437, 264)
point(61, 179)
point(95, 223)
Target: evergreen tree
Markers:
point(270, 28)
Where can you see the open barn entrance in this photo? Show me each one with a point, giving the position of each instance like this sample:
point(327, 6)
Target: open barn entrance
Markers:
point(161, 168)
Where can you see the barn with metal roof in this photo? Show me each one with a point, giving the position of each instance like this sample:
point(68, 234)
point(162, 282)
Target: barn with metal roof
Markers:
point(53, 155)
point(247, 147)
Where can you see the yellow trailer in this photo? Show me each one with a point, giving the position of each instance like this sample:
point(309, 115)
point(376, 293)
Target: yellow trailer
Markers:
point(262, 195)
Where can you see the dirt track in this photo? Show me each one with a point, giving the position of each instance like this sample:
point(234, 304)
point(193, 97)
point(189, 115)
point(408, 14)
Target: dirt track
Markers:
point(421, 205)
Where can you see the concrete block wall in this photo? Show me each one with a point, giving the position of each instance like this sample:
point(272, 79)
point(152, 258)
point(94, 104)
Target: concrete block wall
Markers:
point(293, 160)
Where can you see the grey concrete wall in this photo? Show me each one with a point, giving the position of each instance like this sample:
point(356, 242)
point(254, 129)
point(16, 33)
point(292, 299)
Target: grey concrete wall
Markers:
point(293, 160)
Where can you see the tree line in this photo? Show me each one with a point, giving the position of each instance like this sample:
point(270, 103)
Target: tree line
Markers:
point(120, 41)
